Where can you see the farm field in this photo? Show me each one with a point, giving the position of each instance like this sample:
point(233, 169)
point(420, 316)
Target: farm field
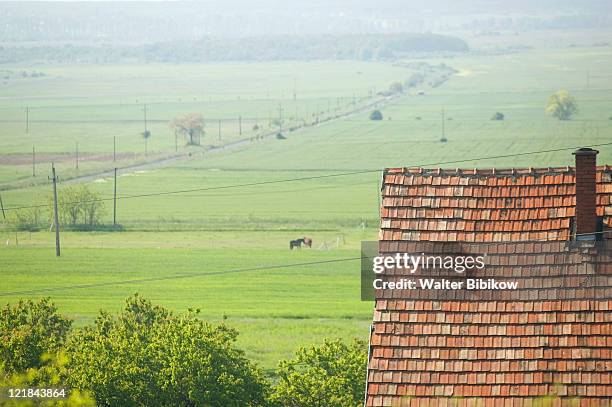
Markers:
point(276, 309)
point(102, 107)
point(321, 182)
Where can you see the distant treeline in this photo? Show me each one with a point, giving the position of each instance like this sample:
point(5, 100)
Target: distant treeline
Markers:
point(346, 47)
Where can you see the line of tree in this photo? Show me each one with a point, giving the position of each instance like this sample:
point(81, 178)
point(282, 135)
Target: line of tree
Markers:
point(349, 47)
point(79, 208)
point(146, 355)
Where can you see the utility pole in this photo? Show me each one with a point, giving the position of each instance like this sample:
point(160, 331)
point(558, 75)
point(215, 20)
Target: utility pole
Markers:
point(114, 148)
point(55, 213)
point(27, 119)
point(294, 89)
point(280, 118)
point(146, 131)
point(2, 206)
point(115, 200)
point(588, 79)
point(77, 155)
point(145, 118)
point(33, 161)
point(443, 124)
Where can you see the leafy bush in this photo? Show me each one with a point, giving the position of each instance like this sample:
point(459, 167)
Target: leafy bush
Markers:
point(498, 116)
point(332, 375)
point(147, 356)
point(376, 115)
point(25, 219)
point(28, 331)
point(78, 207)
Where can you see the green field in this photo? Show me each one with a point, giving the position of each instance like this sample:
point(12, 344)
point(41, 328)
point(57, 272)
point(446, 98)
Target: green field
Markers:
point(96, 106)
point(275, 309)
point(216, 229)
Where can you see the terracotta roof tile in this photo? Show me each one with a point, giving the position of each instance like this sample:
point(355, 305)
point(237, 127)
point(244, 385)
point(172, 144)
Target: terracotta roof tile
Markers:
point(552, 336)
point(526, 205)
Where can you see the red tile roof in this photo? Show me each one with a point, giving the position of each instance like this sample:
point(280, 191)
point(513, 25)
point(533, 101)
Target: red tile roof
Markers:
point(550, 337)
point(485, 205)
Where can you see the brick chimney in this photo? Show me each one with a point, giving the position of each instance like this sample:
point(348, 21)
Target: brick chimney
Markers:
point(586, 214)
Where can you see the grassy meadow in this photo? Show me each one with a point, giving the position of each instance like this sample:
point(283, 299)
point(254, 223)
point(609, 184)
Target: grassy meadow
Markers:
point(198, 249)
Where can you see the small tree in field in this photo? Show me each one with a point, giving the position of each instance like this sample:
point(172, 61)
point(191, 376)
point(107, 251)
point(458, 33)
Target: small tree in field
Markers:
point(191, 126)
point(561, 105)
point(376, 115)
point(498, 116)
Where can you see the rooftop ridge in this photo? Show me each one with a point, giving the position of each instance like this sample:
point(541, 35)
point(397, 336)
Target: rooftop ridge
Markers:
point(475, 172)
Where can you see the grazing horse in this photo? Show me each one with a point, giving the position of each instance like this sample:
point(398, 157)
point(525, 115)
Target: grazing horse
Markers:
point(297, 243)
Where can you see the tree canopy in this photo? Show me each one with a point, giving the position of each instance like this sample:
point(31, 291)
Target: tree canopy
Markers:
point(190, 126)
point(376, 115)
point(148, 356)
point(29, 330)
point(331, 375)
point(561, 105)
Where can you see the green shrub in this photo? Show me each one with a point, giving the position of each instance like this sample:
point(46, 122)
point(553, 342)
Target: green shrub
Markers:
point(376, 115)
point(147, 356)
point(332, 375)
point(79, 207)
point(25, 219)
point(28, 331)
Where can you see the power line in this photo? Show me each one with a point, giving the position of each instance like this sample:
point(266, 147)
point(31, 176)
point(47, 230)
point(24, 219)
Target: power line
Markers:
point(175, 277)
point(314, 177)
point(234, 271)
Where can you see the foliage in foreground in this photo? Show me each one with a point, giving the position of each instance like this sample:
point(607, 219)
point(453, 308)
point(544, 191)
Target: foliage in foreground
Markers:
point(332, 375)
point(46, 376)
point(29, 330)
point(148, 356)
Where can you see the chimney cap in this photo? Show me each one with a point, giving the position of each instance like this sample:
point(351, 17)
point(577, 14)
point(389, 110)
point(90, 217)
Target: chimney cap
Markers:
point(585, 151)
